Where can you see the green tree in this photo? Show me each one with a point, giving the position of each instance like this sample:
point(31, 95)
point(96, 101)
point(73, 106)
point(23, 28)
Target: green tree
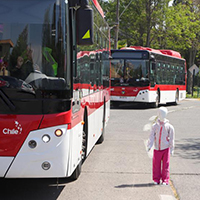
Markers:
point(157, 24)
point(20, 47)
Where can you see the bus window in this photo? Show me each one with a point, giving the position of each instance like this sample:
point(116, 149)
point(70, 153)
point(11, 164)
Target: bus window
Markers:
point(158, 74)
point(163, 74)
point(153, 73)
point(177, 81)
point(117, 67)
point(168, 74)
point(105, 69)
point(182, 76)
point(173, 75)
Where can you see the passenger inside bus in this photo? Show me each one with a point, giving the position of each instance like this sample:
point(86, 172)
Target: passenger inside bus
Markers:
point(18, 71)
point(28, 65)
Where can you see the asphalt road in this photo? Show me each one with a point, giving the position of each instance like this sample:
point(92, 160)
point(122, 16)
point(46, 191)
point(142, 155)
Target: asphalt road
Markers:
point(120, 168)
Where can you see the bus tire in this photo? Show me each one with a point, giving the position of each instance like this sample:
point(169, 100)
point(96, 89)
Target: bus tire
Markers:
point(101, 139)
point(84, 137)
point(176, 97)
point(156, 103)
point(76, 172)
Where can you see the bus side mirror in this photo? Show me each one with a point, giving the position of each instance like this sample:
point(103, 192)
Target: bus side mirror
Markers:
point(84, 29)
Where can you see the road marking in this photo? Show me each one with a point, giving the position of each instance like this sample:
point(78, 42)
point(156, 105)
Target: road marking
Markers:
point(167, 197)
point(174, 190)
point(170, 111)
point(191, 107)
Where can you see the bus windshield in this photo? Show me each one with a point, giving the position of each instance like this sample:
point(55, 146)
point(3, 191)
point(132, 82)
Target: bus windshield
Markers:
point(33, 50)
point(129, 72)
point(33, 45)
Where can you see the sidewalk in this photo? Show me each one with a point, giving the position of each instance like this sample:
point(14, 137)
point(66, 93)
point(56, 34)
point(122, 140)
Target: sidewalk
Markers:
point(109, 174)
point(120, 168)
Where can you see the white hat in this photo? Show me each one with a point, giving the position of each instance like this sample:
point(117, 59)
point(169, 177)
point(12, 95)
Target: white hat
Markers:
point(162, 113)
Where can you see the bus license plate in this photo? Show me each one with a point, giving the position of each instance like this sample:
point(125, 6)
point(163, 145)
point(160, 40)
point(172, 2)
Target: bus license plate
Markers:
point(123, 97)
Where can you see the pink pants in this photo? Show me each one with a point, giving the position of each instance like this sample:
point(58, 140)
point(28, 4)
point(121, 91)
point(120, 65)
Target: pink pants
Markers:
point(161, 156)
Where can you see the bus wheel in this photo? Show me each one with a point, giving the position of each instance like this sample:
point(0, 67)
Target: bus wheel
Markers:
point(84, 137)
point(176, 98)
point(156, 104)
point(101, 139)
point(84, 145)
point(76, 172)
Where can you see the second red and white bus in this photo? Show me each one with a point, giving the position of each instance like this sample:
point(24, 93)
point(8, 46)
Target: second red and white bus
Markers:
point(54, 86)
point(146, 75)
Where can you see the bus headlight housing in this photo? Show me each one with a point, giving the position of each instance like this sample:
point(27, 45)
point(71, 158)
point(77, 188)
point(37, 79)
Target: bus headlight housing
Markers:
point(46, 138)
point(58, 132)
point(46, 165)
point(32, 144)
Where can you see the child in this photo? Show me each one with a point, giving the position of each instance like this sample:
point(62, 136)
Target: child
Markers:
point(162, 136)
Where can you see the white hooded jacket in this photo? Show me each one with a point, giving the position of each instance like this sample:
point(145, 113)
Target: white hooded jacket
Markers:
point(162, 135)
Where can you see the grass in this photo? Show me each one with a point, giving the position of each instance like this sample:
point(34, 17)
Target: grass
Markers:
point(196, 93)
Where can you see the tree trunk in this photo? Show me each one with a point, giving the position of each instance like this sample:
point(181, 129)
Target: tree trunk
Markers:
point(117, 26)
point(192, 53)
point(148, 17)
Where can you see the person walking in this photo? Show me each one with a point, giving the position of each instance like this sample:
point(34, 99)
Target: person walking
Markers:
point(162, 136)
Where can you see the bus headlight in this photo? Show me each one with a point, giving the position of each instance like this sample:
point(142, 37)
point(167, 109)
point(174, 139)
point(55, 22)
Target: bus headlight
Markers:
point(46, 138)
point(58, 132)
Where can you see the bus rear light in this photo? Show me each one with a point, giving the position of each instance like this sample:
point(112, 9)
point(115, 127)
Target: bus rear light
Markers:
point(46, 165)
point(58, 132)
point(46, 138)
point(32, 144)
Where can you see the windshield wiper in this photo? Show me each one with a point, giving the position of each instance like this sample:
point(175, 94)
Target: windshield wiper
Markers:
point(7, 101)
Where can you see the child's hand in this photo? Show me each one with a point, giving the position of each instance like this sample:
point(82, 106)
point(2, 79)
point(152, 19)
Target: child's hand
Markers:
point(172, 153)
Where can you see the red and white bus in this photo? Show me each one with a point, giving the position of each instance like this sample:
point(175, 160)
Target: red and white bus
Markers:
point(54, 86)
point(146, 75)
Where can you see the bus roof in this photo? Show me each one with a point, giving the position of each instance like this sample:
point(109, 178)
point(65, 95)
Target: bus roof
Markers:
point(158, 51)
point(96, 3)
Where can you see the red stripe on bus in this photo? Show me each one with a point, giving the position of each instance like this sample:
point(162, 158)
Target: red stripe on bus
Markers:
point(168, 87)
point(96, 3)
point(14, 130)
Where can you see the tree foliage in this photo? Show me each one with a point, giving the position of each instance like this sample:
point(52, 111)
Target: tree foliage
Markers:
point(158, 24)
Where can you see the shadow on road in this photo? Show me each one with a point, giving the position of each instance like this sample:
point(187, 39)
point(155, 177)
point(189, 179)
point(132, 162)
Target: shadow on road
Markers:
point(133, 106)
point(31, 189)
point(136, 106)
point(135, 185)
point(188, 148)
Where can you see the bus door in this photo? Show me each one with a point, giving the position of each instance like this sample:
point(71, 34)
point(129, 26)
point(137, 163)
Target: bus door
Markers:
point(98, 75)
point(152, 73)
point(92, 79)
